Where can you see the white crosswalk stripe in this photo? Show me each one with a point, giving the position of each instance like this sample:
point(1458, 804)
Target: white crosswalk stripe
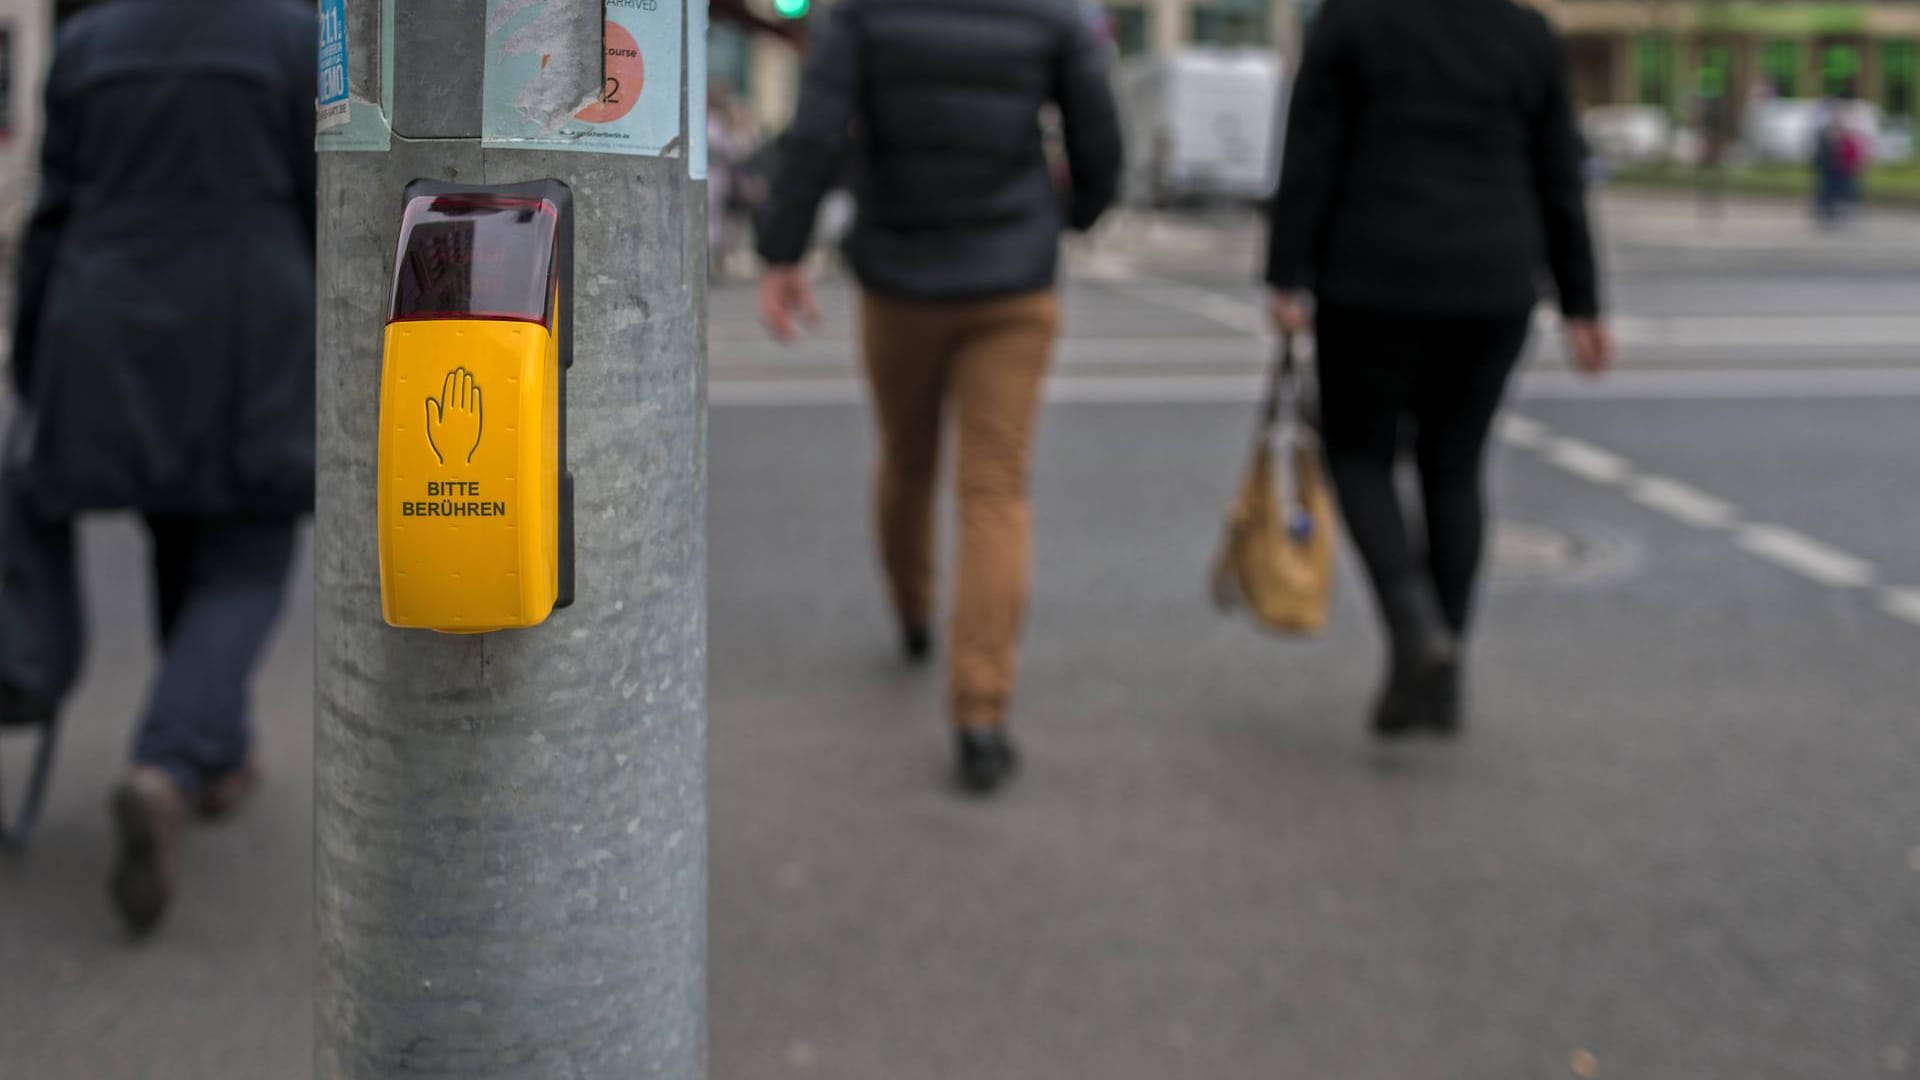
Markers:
point(1522, 432)
point(1902, 603)
point(1587, 461)
point(1683, 502)
point(1802, 554)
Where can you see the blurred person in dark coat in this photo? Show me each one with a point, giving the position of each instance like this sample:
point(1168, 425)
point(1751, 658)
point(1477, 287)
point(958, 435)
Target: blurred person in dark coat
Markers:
point(163, 358)
point(1432, 183)
point(936, 106)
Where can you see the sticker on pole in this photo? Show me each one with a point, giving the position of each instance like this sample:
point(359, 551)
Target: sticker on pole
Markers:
point(356, 76)
point(697, 16)
point(332, 107)
point(540, 86)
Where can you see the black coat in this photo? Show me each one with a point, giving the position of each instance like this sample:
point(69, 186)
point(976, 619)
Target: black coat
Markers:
point(1433, 164)
point(164, 337)
point(935, 105)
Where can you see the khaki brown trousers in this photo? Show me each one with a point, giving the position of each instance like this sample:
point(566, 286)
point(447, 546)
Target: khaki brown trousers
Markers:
point(986, 361)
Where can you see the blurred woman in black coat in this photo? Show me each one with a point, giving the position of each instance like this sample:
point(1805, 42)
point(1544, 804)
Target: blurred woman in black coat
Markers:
point(1432, 184)
point(163, 358)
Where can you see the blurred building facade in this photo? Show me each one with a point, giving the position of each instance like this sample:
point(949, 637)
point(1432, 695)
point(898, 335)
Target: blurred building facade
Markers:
point(1665, 53)
point(1675, 53)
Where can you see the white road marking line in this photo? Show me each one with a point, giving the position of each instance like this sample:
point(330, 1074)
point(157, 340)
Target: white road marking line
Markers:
point(781, 393)
point(1744, 385)
point(1589, 462)
point(1522, 432)
point(1173, 354)
point(1896, 372)
point(1635, 332)
point(1731, 331)
point(1060, 390)
point(1227, 357)
point(1803, 555)
point(1104, 266)
point(1147, 390)
point(1786, 548)
point(1903, 604)
point(1684, 502)
point(1230, 389)
point(1228, 311)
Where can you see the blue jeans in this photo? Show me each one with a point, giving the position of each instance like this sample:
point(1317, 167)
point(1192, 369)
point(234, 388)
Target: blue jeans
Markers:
point(1836, 194)
point(219, 584)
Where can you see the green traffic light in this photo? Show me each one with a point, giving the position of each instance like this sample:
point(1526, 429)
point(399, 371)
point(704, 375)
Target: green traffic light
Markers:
point(792, 9)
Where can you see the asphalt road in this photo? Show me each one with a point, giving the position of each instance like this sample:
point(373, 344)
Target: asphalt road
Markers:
point(1681, 843)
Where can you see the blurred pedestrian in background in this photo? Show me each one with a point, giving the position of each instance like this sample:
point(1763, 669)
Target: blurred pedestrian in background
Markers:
point(736, 178)
point(1840, 158)
point(722, 156)
point(1432, 172)
point(163, 355)
point(747, 165)
point(1711, 114)
point(936, 105)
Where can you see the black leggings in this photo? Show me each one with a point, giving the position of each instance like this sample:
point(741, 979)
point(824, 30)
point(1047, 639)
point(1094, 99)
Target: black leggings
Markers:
point(1385, 376)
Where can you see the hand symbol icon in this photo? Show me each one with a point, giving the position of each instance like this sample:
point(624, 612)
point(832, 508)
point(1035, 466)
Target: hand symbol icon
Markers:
point(453, 419)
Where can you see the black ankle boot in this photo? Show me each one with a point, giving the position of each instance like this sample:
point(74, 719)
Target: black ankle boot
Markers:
point(1423, 673)
point(984, 760)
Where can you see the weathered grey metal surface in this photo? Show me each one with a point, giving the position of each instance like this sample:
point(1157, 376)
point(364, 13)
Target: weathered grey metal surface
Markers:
point(437, 94)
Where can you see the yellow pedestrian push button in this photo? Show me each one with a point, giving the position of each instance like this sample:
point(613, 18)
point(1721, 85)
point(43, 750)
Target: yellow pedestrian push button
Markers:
point(476, 504)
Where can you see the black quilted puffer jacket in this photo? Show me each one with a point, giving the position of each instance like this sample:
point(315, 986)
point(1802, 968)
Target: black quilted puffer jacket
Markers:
point(933, 107)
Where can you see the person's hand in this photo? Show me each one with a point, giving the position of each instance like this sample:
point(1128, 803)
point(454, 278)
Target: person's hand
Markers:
point(1593, 348)
point(1289, 312)
point(786, 294)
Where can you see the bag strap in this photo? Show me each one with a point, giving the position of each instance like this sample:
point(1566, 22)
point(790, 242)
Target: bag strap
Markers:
point(1282, 384)
point(13, 836)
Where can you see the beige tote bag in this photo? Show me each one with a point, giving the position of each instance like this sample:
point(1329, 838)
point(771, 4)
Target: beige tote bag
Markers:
point(1276, 559)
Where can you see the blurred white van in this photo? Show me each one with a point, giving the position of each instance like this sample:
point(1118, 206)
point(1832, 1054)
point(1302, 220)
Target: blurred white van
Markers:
point(1629, 134)
point(1201, 124)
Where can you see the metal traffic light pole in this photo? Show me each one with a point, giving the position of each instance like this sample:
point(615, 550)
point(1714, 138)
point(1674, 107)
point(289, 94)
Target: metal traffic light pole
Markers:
point(511, 827)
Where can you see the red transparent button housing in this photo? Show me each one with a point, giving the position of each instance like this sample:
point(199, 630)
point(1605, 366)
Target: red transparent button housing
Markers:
point(476, 257)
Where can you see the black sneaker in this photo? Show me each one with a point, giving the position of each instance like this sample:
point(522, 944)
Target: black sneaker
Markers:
point(984, 760)
point(917, 645)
